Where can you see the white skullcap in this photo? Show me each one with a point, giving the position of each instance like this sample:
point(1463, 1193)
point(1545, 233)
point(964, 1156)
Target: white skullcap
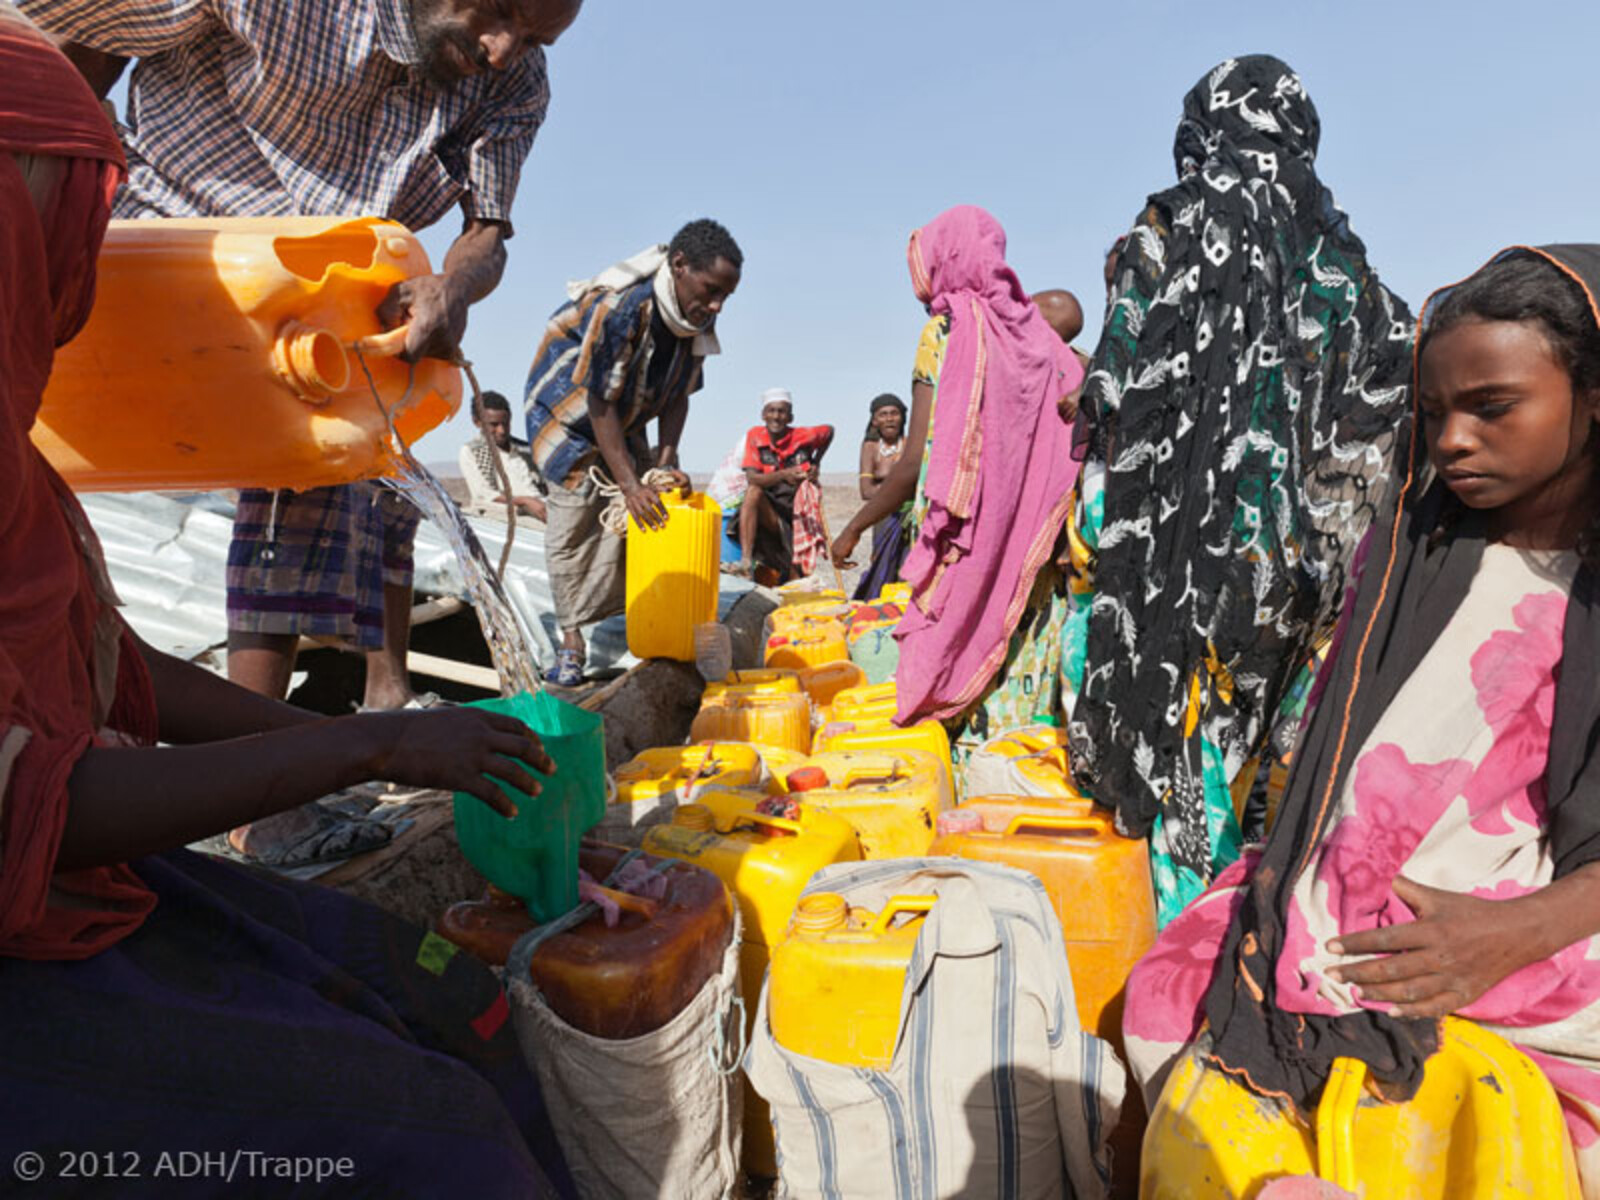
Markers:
point(776, 396)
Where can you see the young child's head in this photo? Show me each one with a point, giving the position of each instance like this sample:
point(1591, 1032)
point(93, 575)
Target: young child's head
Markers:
point(1509, 390)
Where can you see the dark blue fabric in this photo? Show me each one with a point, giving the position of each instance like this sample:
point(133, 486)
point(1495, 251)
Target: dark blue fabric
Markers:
point(253, 1013)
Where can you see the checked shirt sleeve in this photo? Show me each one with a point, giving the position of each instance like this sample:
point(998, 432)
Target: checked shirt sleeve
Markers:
point(516, 107)
point(129, 28)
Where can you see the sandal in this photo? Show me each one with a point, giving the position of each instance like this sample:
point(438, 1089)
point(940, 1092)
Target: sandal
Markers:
point(568, 671)
point(330, 838)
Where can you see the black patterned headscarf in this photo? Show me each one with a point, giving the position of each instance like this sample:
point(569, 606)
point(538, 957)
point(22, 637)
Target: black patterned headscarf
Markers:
point(1247, 396)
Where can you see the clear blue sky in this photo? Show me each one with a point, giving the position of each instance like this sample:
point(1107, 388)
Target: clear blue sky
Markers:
point(822, 133)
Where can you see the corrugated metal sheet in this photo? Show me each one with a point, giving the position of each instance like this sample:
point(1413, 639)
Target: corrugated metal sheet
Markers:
point(168, 557)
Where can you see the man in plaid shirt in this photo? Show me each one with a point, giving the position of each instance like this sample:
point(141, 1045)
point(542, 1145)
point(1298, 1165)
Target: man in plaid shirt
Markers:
point(395, 108)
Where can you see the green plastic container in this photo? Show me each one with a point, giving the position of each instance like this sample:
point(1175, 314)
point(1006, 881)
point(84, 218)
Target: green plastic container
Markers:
point(535, 854)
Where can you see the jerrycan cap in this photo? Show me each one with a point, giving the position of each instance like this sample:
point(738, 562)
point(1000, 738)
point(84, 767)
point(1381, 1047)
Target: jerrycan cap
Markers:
point(821, 912)
point(960, 820)
point(806, 779)
point(693, 816)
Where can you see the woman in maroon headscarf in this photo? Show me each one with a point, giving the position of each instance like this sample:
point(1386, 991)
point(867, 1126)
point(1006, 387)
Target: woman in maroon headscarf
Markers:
point(154, 999)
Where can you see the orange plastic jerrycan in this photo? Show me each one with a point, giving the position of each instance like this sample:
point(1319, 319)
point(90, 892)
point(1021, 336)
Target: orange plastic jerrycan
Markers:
point(778, 719)
point(618, 981)
point(823, 683)
point(219, 355)
point(1099, 884)
point(838, 975)
point(892, 801)
point(766, 862)
point(673, 576)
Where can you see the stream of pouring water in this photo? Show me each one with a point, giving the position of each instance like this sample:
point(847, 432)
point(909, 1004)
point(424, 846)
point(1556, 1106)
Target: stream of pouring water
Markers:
point(502, 627)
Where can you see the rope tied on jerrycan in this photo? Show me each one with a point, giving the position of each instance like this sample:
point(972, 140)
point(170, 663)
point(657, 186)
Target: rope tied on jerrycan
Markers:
point(614, 518)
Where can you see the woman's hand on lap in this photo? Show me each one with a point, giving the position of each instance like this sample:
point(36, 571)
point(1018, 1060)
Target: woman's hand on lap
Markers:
point(1458, 948)
point(454, 749)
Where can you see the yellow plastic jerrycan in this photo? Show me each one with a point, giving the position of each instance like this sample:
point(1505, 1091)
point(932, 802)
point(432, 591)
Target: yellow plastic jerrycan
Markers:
point(803, 591)
point(884, 736)
point(797, 617)
point(893, 801)
point(674, 769)
point(777, 719)
point(765, 862)
point(896, 592)
point(1484, 1123)
point(812, 645)
point(779, 762)
point(1099, 885)
point(1031, 761)
point(838, 975)
point(652, 785)
point(219, 355)
point(766, 681)
point(869, 702)
point(674, 576)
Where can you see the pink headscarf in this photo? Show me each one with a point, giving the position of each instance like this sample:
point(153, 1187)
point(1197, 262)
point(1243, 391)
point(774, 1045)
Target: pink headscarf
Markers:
point(1000, 469)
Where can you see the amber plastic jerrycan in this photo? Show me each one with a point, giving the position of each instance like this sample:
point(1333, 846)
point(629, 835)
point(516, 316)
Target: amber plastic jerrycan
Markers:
point(617, 981)
point(220, 354)
point(838, 975)
point(1099, 885)
point(674, 576)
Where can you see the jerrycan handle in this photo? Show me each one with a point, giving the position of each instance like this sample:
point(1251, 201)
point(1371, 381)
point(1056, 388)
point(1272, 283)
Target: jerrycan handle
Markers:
point(898, 905)
point(383, 345)
point(1056, 756)
point(752, 817)
point(1336, 1114)
point(1055, 823)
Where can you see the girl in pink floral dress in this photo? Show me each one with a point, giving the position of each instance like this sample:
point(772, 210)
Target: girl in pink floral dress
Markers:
point(1438, 846)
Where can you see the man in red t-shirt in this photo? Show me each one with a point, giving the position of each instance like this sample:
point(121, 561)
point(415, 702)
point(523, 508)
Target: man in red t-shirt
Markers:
point(778, 457)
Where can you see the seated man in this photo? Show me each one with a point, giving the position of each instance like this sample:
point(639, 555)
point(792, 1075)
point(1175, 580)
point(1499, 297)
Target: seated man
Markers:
point(477, 457)
point(625, 350)
point(779, 459)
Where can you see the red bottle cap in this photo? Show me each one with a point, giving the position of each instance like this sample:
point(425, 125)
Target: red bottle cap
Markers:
point(807, 779)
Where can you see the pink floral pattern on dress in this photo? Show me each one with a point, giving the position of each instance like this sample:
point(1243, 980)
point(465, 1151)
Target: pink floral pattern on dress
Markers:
point(1514, 673)
point(1449, 791)
point(1396, 803)
point(1167, 987)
